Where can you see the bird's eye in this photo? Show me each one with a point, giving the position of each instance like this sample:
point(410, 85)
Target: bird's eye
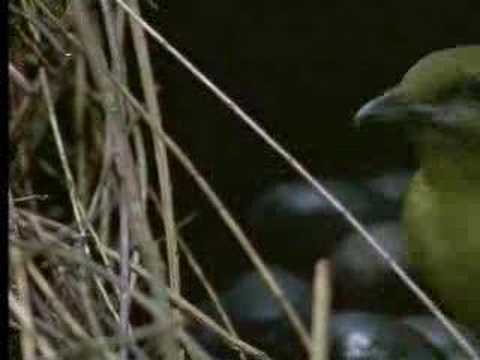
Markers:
point(472, 88)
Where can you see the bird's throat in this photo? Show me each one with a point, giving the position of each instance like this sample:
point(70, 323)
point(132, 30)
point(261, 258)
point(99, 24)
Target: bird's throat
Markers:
point(449, 162)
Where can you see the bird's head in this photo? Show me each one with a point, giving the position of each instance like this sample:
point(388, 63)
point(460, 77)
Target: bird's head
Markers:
point(441, 92)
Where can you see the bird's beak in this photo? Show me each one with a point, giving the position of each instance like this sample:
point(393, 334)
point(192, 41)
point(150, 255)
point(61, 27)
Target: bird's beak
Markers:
point(391, 107)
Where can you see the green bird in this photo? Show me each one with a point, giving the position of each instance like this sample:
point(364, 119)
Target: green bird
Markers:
point(438, 102)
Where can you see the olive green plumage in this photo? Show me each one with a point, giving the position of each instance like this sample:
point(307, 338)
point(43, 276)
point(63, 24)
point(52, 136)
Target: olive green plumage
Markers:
point(438, 100)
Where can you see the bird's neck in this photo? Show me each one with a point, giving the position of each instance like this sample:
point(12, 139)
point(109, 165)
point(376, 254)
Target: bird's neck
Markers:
point(449, 162)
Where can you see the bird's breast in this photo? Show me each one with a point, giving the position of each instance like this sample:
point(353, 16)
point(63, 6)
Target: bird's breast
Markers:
point(444, 243)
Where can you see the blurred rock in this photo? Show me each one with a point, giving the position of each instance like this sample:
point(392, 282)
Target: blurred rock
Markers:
point(366, 336)
point(362, 278)
point(391, 185)
point(292, 224)
point(258, 318)
point(440, 338)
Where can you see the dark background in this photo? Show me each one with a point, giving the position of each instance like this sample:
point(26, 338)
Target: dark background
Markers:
point(301, 69)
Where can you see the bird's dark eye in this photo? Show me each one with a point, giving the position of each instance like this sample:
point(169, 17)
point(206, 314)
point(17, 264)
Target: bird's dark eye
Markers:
point(472, 88)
